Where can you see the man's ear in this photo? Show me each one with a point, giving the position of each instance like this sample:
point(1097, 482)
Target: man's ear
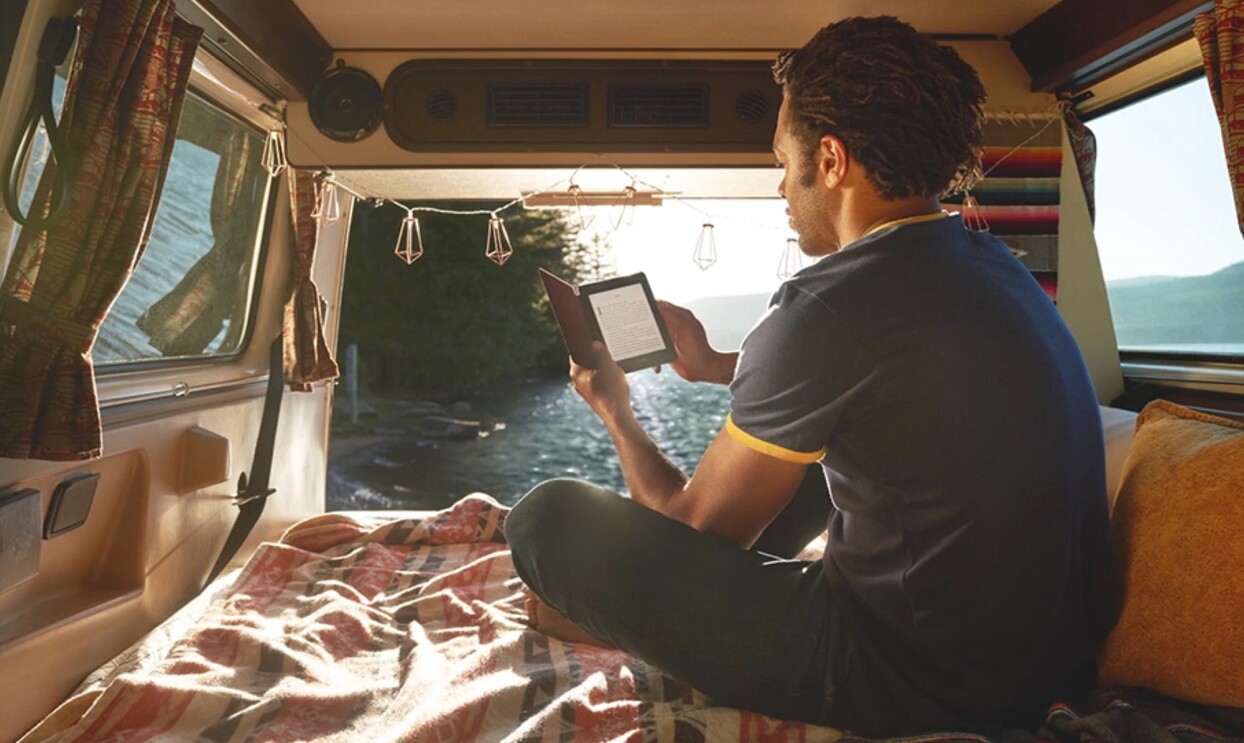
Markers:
point(833, 161)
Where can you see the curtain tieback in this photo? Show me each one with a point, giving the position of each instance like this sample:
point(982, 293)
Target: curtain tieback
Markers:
point(73, 333)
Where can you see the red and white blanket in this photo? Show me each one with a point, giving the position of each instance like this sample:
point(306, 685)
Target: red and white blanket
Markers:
point(409, 631)
point(412, 631)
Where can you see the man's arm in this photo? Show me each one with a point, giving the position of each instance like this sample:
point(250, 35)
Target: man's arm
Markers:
point(736, 490)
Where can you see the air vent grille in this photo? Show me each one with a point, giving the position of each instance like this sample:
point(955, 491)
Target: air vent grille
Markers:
point(533, 105)
point(664, 106)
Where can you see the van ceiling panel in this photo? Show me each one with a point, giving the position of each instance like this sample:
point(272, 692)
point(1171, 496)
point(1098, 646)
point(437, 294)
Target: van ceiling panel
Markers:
point(576, 105)
point(488, 25)
point(434, 107)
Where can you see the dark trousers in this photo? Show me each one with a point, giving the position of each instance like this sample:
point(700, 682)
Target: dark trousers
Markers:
point(747, 628)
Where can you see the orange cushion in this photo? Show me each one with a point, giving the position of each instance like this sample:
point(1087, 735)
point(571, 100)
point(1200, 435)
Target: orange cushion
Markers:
point(1179, 536)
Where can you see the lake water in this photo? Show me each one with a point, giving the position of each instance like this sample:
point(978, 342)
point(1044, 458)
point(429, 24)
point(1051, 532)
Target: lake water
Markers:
point(548, 432)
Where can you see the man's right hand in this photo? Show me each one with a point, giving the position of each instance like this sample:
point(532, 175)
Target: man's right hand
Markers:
point(697, 361)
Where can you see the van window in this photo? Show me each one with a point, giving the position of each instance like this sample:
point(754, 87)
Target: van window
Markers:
point(190, 293)
point(1170, 244)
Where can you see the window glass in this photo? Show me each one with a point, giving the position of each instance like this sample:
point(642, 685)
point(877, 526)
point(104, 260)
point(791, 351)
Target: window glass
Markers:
point(190, 293)
point(1170, 245)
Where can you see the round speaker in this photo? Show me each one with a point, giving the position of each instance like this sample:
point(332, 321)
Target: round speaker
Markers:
point(441, 105)
point(752, 106)
point(346, 104)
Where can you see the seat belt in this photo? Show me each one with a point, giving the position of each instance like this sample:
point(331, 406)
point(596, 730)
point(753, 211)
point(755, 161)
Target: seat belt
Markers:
point(253, 491)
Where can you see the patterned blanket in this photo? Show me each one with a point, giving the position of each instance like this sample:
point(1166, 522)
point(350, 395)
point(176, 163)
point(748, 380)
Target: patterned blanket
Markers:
point(412, 631)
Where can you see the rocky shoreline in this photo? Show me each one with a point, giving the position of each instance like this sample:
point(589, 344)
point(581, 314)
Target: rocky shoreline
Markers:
point(419, 418)
point(383, 422)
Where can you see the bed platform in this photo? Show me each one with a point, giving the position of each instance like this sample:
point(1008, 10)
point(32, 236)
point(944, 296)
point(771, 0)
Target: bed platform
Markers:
point(363, 628)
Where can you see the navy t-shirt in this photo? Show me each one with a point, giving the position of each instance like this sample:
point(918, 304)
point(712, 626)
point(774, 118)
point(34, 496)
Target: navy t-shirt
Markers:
point(969, 544)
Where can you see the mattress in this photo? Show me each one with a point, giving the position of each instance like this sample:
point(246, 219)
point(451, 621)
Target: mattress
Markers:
point(357, 628)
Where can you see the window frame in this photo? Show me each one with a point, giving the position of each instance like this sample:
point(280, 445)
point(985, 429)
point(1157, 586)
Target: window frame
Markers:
point(261, 235)
point(1183, 367)
point(1143, 94)
point(216, 86)
point(149, 387)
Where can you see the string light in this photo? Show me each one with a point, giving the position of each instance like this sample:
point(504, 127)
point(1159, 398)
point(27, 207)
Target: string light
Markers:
point(327, 207)
point(274, 159)
point(792, 259)
point(582, 220)
point(626, 211)
point(498, 249)
point(705, 253)
point(409, 239)
point(973, 215)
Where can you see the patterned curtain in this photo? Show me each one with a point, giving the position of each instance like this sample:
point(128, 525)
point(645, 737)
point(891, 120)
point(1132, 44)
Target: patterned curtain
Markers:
point(7, 228)
point(1084, 145)
point(1220, 34)
point(1018, 199)
point(184, 321)
point(307, 358)
point(122, 103)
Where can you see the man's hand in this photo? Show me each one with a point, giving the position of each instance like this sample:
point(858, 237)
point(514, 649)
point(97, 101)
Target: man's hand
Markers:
point(697, 361)
point(604, 387)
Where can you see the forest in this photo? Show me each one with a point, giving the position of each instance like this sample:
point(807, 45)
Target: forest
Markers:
point(455, 320)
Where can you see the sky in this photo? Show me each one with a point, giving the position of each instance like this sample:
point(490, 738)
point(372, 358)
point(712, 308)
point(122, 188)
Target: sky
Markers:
point(750, 236)
point(1164, 202)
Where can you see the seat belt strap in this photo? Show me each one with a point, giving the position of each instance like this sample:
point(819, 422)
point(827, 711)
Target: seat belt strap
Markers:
point(253, 491)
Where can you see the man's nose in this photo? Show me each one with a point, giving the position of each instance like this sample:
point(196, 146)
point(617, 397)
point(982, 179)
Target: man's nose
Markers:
point(782, 187)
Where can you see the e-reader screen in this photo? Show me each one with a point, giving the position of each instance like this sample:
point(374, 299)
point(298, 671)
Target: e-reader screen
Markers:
point(626, 318)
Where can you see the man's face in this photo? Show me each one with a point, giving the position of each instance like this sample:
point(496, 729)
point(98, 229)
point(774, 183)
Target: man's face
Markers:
point(809, 203)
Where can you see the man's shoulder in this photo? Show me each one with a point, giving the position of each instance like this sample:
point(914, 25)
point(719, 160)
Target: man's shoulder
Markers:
point(835, 279)
point(802, 319)
point(800, 302)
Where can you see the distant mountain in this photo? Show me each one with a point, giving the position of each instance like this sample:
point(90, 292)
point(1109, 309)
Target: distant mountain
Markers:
point(1169, 311)
point(1141, 281)
point(728, 319)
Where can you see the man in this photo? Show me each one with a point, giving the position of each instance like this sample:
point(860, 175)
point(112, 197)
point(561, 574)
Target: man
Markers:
point(946, 403)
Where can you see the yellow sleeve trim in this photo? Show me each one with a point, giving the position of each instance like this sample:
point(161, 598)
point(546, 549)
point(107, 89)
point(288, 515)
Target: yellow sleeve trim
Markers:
point(773, 450)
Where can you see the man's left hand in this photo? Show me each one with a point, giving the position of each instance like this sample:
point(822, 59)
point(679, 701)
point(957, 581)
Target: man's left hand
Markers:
point(604, 387)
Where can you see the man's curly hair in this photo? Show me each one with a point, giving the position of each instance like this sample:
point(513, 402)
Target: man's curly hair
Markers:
point(907, 108)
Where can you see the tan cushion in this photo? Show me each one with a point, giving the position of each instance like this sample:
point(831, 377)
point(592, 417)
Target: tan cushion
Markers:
point(1179, 537)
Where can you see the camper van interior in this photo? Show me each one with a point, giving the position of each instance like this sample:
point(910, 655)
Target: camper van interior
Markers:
point(222, 217)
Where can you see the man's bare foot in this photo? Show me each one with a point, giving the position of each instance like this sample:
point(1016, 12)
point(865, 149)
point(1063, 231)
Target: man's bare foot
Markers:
point(548, 620)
